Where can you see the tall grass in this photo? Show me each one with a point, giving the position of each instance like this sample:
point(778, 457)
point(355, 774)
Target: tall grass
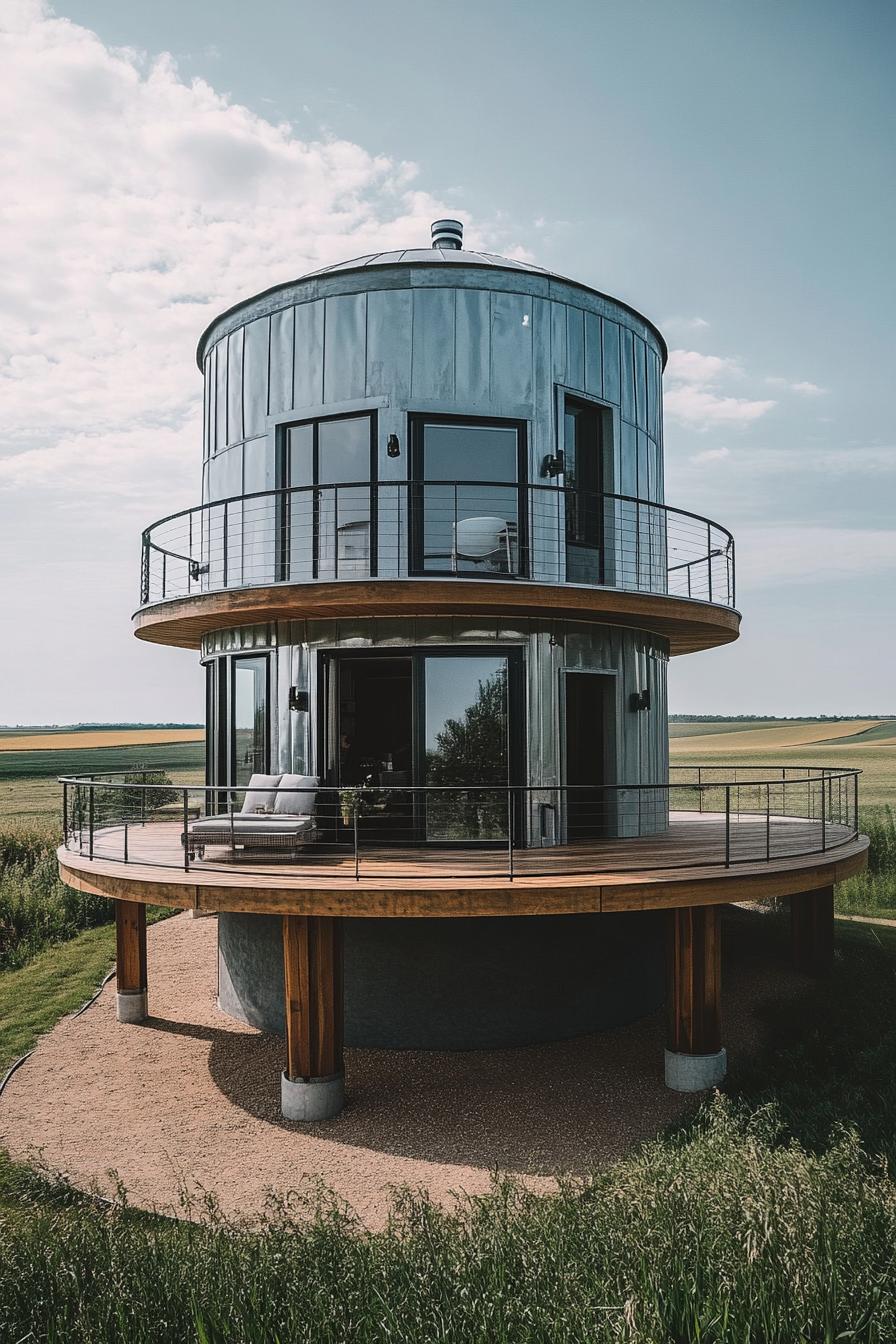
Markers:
point(36, 909)
point(874, 892)
point(721, 1234)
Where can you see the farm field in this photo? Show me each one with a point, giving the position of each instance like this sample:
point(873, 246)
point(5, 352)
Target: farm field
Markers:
point(868, 745)
point(91, 739)
point(29, 774)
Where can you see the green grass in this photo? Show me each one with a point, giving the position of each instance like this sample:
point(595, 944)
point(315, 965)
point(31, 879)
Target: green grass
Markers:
point(54, 982)
point(96, 760)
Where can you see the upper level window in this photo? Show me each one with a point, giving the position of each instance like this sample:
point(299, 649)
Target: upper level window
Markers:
point(329, 523)
point(469, 508)
point(583, 449)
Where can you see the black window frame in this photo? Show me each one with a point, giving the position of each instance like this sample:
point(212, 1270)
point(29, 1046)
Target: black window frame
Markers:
point(327, 667)
point(417, 422)
point(571, 493)
point(285, 492)
point(256, 656)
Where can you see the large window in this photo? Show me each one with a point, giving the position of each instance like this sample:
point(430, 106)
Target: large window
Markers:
point(448, 720)
point(582, 479)
point(469, 511)
point(329, 524)
point(249, 718)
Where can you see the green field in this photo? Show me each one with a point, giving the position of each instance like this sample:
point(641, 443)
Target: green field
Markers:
point(28, 779)
point(873, 751)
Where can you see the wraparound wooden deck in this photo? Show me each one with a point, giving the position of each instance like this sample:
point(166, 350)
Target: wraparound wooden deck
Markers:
point(681, 867)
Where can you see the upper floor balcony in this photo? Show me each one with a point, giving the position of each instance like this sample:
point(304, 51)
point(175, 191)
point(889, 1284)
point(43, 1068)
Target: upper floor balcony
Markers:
point(558, 538)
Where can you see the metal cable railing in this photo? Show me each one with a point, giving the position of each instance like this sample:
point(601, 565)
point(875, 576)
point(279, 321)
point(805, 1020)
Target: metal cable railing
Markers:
point(755, 815)
point(469, 529)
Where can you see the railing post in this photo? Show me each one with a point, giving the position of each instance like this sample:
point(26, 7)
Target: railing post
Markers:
point(125, 842)
point(510, 834)
point(90, 815)
point(823, 815)
point(65, 814)
point(855, 802)
point(164, 573)
point(709, 558)
point(727, 825)
point(224, 550)
point(768, 822)
point(733, 587)
point(336, 532)
point(355, 811)
point(700, 784)
point(186, 832)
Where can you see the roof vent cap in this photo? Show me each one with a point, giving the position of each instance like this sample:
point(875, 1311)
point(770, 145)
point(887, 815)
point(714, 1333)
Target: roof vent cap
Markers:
point(448, 234)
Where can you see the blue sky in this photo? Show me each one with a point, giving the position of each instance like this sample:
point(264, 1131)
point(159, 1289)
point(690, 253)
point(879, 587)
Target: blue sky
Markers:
point(726, 168)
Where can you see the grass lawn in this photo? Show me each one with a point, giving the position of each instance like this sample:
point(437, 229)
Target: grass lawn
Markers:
point(55, 982)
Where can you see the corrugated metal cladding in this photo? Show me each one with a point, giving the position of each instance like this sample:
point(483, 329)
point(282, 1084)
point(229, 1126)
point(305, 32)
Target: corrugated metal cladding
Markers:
point(634, 659)
point(458, 339)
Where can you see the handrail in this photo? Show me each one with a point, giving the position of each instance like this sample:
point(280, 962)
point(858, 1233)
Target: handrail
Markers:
point(736, 820)
point(257, 538)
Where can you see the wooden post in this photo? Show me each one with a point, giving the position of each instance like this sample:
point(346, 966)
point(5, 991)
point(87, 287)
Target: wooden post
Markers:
point(812, 930)
point(313, 1086)
point(694, 1055)
point(130, 960)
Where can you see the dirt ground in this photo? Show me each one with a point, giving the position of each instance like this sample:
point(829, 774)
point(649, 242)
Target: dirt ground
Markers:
point(189, 1100)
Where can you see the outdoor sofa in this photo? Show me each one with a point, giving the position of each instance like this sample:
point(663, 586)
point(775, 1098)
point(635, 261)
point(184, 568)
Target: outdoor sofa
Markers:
point(277, 814)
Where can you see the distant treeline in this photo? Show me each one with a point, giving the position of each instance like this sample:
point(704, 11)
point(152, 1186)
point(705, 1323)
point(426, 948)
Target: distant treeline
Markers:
point(776, 718)
point(91, 727)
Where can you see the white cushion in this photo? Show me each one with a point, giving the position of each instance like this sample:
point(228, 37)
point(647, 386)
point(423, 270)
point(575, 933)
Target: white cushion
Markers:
point(300, 795)
point(244, 826)
point(260, 793)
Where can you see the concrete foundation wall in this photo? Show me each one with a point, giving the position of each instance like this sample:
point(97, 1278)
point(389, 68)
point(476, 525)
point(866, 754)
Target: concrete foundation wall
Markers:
point(461, 984)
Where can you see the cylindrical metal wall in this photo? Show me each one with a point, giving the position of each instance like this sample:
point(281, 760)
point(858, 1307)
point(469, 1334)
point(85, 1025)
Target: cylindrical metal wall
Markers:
point(461, 984)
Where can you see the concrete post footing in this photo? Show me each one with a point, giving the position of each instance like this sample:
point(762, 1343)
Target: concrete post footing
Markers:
point(131, 1007)
point(308, 1099)
point(695, 1073)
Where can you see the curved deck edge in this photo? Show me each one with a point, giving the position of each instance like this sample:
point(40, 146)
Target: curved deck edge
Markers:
point(689, 625)
point(423, 898)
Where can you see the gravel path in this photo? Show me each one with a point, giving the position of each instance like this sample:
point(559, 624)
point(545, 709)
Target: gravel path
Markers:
point(190, 1099)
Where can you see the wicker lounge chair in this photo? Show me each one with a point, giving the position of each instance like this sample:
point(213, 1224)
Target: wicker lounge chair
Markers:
point(277, 814)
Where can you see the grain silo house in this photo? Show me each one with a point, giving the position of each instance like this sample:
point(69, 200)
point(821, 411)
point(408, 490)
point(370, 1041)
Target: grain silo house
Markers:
point(435, 585)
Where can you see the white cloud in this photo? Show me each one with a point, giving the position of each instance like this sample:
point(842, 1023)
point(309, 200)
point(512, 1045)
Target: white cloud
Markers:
point(686, 323)
point(803, 389)
point(144, 206)
point(789, 553)
point(692, 398)
point(711, 455)
point(687, 366)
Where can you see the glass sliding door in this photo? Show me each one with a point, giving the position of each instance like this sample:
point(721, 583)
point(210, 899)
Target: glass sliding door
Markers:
point(469, 514)
point(329, 527)
point(466, 746)
point(249, 718)
point(582, 479)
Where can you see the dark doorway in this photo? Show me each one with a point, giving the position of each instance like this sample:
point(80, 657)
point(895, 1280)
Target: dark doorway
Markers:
point(375, 722)
point(371, 743)
point(588, 703)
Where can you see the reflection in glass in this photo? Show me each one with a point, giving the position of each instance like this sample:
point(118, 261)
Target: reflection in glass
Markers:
point(582, 450)
point(470, 527)
point(466, 744)
point(330, 526)
point(250, 694)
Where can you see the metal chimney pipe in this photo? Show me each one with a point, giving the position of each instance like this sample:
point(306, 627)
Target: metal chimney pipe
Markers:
point(448, 234)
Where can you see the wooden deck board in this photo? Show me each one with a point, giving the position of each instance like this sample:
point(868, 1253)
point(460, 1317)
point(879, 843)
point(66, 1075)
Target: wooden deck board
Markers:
point(682, 866)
